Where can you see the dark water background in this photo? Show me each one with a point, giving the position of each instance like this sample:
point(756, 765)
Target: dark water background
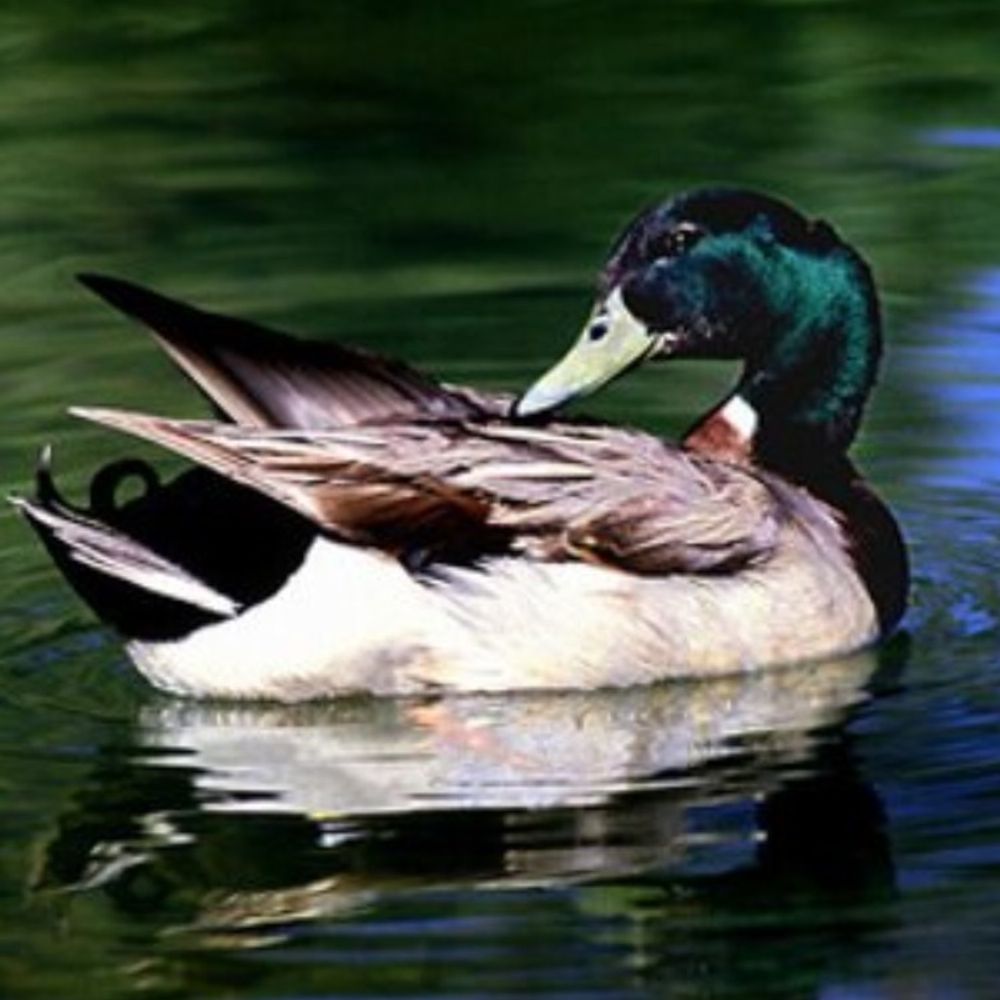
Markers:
point(439, 181)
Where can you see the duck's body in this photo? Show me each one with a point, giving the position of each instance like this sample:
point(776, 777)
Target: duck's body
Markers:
point(355, 618)
point(415, 538)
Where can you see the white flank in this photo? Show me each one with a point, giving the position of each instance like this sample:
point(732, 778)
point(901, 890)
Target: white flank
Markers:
point(352, 620)
point(348, 619)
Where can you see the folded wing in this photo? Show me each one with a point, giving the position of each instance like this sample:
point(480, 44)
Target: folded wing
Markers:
point(563, 492)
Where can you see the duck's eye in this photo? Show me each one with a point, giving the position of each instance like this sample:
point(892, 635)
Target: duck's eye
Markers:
point(676, 241)
point(597, 330)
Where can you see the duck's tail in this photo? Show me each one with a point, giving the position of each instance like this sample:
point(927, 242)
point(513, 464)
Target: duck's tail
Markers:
point(140, 592)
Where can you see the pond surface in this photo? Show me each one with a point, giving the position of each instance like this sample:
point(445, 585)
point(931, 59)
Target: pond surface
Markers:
point(439, 182)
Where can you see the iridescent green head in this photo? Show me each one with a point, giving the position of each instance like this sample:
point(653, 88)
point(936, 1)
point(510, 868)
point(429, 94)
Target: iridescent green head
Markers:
point(734, 274)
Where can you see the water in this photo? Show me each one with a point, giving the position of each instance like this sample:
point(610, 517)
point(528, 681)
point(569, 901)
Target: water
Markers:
point(439, 182)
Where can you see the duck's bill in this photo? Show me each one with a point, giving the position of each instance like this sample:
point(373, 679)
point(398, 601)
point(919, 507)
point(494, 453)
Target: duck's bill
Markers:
point(612, 342)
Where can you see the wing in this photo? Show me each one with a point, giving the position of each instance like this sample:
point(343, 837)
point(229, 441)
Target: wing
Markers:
point(262, 378)
point(563, 492)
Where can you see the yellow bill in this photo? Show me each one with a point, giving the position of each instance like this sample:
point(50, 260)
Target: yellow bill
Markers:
point(612, 341)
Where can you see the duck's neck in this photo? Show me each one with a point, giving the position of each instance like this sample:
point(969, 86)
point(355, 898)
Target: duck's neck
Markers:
point(796, 409)
point(800, 399)
point(797, 417)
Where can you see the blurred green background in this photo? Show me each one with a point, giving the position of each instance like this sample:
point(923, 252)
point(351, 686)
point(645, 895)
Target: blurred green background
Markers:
point(440, 181)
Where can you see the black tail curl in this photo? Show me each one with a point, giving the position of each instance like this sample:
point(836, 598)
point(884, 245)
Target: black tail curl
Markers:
point(174, 558)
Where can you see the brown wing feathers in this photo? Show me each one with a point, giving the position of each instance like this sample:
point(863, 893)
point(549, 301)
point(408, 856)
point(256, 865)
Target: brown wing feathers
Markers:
point(336, 491)
point(262, 378)
point(375, 452)
point(594, 494)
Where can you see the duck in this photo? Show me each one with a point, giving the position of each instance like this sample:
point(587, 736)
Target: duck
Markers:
point(350, 525)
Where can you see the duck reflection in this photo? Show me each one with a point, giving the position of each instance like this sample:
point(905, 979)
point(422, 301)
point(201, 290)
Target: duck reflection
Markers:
point(243, 820)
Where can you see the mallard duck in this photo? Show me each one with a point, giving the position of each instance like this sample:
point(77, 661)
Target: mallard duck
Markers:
point(355, 526)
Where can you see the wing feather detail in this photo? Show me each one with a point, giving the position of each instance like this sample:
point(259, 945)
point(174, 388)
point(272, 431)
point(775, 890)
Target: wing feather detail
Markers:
point(563, 492)
point(264, 378)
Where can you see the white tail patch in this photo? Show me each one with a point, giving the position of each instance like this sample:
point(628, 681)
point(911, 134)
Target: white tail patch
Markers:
point(101, 548)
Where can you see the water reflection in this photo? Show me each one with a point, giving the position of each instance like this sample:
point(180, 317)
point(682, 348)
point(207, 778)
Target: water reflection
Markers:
point(524, 751)
point(961, 362)
point(240, 820)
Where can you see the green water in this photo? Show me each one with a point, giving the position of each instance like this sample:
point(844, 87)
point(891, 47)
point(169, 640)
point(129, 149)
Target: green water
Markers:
point(440, 181)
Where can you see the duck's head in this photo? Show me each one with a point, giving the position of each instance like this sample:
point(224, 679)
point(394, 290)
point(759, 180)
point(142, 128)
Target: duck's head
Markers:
point(734, 274)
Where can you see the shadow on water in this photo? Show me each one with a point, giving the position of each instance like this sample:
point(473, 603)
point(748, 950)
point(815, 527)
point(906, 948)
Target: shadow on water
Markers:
point(668, 815)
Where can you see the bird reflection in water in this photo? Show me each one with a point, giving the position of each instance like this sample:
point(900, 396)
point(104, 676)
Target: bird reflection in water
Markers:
point(230, 825)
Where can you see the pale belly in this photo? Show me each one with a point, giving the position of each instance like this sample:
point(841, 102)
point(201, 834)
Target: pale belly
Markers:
point(354, 620)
